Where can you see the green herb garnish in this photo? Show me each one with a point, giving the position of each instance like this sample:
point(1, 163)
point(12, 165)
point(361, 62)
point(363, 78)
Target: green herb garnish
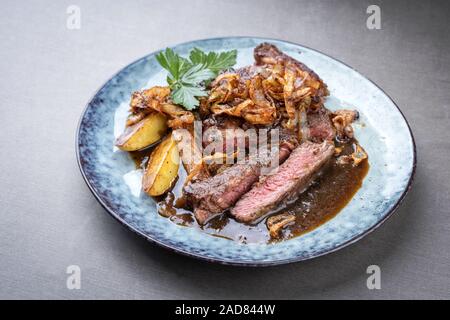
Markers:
point(187, 78)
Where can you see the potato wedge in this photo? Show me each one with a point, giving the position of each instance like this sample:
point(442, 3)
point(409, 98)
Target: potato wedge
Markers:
point(162, 168)
point(144, 133)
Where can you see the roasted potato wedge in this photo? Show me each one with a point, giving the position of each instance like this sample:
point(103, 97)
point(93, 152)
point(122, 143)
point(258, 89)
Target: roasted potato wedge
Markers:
point(144, 133)
point(162, 168)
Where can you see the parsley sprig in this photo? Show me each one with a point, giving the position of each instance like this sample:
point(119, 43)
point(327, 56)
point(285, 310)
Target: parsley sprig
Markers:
point(187, 78)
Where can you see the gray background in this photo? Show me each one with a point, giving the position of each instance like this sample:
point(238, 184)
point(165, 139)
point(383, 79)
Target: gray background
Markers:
point(50, 220)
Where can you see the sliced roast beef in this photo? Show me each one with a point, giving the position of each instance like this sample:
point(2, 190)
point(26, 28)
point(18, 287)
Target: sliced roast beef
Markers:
point(216, 194)
point(293, 177)
point(320, 127)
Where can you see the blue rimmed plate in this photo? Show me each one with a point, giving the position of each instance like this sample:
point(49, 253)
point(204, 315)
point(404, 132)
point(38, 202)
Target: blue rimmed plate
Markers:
point(382, 130)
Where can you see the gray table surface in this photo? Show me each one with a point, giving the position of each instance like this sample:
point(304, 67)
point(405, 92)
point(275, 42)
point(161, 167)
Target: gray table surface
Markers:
point(50, 220)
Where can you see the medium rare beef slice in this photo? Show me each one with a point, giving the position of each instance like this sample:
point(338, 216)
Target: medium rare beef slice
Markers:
point(320, 127)
point(220, 192)
point(293, 177)
point(216, 194)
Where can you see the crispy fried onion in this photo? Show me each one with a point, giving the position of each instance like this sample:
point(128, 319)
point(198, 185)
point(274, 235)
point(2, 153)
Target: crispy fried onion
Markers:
point(280, 88)
point(201, 168)
point(256, 109)
point(358, 156)
point(278, 222)
point(179, 117)
point(342, 120)
point(273, 84)
point(158, 99)
point(297, 87)
point(226, 87)
point(195, 164)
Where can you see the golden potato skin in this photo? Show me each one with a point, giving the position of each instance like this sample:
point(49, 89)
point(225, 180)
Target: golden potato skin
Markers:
point(162, 168)
point(144, 133)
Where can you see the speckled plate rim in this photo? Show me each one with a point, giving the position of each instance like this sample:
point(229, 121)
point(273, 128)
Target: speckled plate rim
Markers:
point(249, 263)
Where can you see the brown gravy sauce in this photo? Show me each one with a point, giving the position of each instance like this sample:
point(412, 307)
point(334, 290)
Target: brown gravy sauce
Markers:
point(328, 195)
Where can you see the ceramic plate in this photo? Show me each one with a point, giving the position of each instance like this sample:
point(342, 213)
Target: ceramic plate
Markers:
point(115, 182)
